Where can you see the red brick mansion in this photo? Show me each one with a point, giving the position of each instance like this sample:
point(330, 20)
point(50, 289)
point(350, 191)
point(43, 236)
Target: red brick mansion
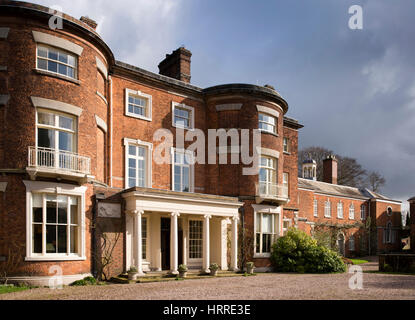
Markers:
point(79, 134)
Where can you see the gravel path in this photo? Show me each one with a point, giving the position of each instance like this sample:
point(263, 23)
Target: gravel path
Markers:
point(262, 286)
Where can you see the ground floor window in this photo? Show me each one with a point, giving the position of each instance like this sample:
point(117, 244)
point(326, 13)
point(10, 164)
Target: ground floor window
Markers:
point(266, 232)
point(55, 224)
point(195, 239)
point(351, 243)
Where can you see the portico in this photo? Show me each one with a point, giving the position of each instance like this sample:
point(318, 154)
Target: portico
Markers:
point(165, 229)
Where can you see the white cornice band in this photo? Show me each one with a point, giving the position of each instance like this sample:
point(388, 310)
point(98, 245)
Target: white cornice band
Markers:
point(267, 110)
point(53, 41)
point(56, 105)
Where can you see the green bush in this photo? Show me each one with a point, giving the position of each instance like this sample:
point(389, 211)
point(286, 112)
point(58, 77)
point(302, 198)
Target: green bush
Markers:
point(298, 252)
point(84, 282)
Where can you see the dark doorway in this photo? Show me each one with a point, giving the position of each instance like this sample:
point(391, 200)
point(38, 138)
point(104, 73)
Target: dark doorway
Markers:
point(180, 243)
point(165, 243)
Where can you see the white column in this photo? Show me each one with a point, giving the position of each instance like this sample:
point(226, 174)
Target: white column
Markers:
point(185, 226)
point(206, 243)
point(234, 244)
point(174, 243)
point(138, 242)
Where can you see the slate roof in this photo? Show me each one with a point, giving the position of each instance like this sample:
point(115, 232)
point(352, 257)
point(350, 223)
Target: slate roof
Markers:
point(339, 190)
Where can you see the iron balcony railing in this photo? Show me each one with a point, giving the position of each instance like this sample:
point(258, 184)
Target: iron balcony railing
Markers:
point(59, 160)
point(272, 190)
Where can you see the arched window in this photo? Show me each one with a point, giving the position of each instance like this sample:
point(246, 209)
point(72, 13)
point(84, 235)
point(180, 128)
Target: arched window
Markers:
point(389, 211)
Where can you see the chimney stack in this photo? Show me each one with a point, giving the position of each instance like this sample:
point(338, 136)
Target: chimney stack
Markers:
point(89, 22)
point(177, 65)
point(330, 169)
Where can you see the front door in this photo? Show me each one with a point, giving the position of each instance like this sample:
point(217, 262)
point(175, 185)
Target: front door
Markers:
point(165, 243)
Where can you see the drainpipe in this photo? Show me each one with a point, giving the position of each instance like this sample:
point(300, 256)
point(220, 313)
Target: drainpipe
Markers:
point(110, 140)
point(243, 257)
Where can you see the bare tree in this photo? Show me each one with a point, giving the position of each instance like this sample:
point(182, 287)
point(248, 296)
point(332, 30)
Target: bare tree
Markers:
point(13, 262)
point(350, 172)
point(375, 180)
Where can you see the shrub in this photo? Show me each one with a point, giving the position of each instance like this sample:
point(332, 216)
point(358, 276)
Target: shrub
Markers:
point(182, 268)
point(132, 269)
point(214, 266)
point(298, 252)
point(84, 282)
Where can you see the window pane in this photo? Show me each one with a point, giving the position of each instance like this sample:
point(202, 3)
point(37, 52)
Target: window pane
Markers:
point(50, 209)
point(51, 239)
point(42, 64)
point(71, 60)
point(71, 72)
point(65, 122)
point(131, 163)
point(266, 223)
point(62, 69)
point(53, 54)
point(266, 243)
point(65, 141)
point(258, 239)
point(42, 52)
point(37, 238)
point(131, 182)
point(132, 150)
point(74, 210)
point(52, 66)
point(74, 239)
point(141, 151)
point(46, 118)
point(37, 208)
point(63, 57)
point(45, 138)
point(62, 209)
point(258, 222)
point(62, 243)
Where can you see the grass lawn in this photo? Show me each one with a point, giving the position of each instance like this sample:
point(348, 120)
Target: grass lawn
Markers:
point(359, 261)
point(8, 289)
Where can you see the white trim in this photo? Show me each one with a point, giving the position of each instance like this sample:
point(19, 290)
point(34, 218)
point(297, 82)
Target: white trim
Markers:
point(58, 42)
point(387, 201)
point(190, 154)
point(54, 188)
point(268, 152)
point(148, 116)
point(148, 164)
point(56, 105)
point(191, 116)
point(101, 123)
point(3, 186)
point(229, 107)
point(269, 111)
point(275, 210)
point(102, 97)
point(45, 281)
point(102, 68)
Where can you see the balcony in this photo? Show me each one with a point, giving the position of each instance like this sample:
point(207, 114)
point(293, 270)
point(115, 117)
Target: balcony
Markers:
point(271, 192)
point(52, 163)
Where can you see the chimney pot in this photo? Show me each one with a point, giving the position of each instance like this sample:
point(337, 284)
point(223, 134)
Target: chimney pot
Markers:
point(89, 22)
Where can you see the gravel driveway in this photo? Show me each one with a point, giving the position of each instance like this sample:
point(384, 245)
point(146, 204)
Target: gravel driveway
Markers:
point(262, 286)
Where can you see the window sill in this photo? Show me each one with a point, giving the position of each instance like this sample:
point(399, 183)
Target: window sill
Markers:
point(262, 255)
point(132, 115)
point(271, 133)
point(55, 258)
point(55, 75)
point(183, 128)
point(287, 153)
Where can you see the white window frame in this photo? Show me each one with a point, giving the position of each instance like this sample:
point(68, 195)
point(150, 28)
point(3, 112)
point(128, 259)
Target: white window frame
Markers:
point(191, 159)
point(387, 211)
point(148, 161)
point(340, 213)
point(285, 180)
point(191, 110)
point(55, 189)
point(59, 50)
point(147, 244)
point(57, 129)
point(289, 224)
point(327, 209)
point(273, 125)
point(362, 212)
point(351, 212)
point(315, 208)
point(148, 116)
point(194, 261)
point(277, 226)
point(286, 144)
